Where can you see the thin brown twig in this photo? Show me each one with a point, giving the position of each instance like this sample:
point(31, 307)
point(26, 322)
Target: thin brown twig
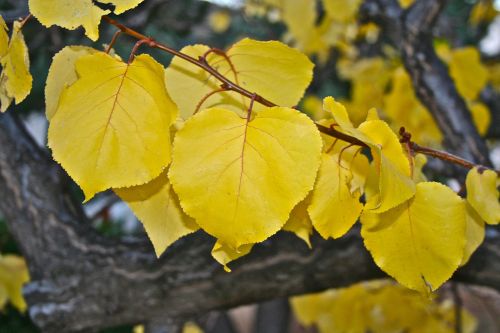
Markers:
point(207, 96)
point(113, 40)
point(231, 86)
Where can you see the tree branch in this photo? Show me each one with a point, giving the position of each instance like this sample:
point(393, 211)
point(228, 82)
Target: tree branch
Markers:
point(83, 282)
point(228, 85)
point(434, 86)
point(431, 80)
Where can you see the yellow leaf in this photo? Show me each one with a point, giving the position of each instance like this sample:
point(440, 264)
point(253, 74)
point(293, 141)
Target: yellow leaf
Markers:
point(219, 21)
point(300, 18)
point(62, 73)
point(188, 84)
point(341, 117)
point(71, 14)
point(369, 78)
point(15, 80)
point(4, 38)
point(342, 11)
point(270, 69)
point(482, 194)
point(138, 329)
point(313, 106)
point(156, 205)
point(299, 222)
point(309, 308)
point(379, 306)
point(334, 206)
point(190, 327)
point(481, 116)
point(111, 128)
point(224, 254)
point(474, 232)
point(418, 163)
point(403, 108)
point(469, 74)
point(483, 11)
point(240, 179)
point(406, 3)
point(13, 275)
point(392, 165)
point(421, 242)
point(372, 115)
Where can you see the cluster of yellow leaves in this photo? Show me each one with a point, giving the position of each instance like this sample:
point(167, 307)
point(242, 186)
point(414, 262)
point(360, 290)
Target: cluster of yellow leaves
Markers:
point(242, 172)
point(13, 275)
point(403, 108)
point(369, 80)
point(483, 11)
point(337, 28)
point(71, 14)
point(379, 307)
point(118, 118)
point(385, 85)
point(419, 232)
point(15, 79)
point(470, 77)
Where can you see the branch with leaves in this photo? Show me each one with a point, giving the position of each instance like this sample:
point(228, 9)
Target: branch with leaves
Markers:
point(228, 85)
point(187, 148)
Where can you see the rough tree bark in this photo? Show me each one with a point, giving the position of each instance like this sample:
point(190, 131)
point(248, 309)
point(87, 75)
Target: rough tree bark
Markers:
point(411, 31)
point(82, 281)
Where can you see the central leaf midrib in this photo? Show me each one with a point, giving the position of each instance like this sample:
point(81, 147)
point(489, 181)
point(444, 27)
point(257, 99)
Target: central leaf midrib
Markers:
point(108, 122)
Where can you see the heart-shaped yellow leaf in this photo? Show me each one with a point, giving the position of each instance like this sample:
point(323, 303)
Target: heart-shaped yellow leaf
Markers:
point(111, 128)
point(240, 178)
point(420, 242)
